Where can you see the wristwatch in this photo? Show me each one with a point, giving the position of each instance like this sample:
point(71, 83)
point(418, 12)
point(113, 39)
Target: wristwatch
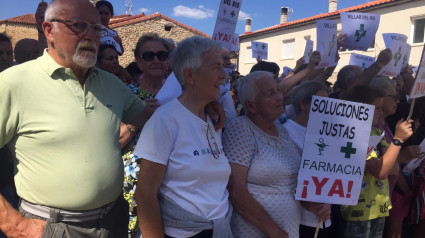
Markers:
point(397, 142)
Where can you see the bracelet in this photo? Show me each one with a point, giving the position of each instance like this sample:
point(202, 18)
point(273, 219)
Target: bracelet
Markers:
point(131, 130)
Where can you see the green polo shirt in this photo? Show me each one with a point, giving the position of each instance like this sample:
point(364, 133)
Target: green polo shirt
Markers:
point(65, 138)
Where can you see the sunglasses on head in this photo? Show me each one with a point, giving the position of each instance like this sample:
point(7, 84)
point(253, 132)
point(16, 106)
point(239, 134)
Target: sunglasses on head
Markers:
point(149, 55)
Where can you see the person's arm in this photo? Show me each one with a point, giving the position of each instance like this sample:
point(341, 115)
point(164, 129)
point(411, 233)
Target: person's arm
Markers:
point(247, 206)
point(369, 73)
point(299, 63)
point(216, 112)
point(150, 178)
point(408, 78)
point(381, 168)
point(13, 224)
point(119, 41)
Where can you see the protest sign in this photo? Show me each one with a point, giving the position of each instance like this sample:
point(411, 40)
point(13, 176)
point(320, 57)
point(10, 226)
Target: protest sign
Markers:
point(259, 49)
point(308, 50)
point(235, 43)
point(286, 71)
point(393, 68)
point(327, 42)
point(225, 26)
point(373, 142)
point(334, 154)
point(406, 55)
point(418, 89)
point(360, 28)
point(390, 37)
point(170, 90)
point(414, 163)
point(362, 61)
point(108, 38)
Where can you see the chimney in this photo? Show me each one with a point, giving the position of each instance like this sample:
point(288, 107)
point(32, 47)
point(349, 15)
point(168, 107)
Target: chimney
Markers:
point(332, 5)
point(248, 25)
point(283, 15)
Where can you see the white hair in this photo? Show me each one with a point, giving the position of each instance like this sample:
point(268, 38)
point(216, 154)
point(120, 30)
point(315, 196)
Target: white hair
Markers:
point(383, 84)
point(248, 86)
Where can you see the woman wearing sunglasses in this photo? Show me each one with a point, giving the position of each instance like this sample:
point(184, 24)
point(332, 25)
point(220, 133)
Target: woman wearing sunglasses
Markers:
point(183, 171)
point(151, 55)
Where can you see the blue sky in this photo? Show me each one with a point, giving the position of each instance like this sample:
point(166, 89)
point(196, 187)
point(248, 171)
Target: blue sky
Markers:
point(202, 14)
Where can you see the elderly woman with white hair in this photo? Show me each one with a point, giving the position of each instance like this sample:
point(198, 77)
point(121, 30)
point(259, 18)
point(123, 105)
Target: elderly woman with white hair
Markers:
point(183, 176)
point(264, 163)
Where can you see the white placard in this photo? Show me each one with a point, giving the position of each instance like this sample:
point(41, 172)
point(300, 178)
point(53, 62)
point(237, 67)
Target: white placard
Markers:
point(235, 43)
point(286, 71)
point(360, 28)
point(393, 68)
point(418, 89)
point(373, 142)
point(108, 38)
point(406, 55)
point(414, 163)
point(225, 26)
point(309, 44)
point(259, 49)
point(334, 154)
point(170, 90)
point(390, 37)
point(362, 61)
point(327, 42)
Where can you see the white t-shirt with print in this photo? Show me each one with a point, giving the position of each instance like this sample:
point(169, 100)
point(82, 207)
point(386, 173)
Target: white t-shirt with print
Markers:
point(195, 179)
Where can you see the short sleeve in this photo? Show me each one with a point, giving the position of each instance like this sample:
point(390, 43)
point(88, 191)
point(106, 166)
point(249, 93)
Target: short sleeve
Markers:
point(239, 143)
point(156, 140)
point(133, 105)
point(8, 113)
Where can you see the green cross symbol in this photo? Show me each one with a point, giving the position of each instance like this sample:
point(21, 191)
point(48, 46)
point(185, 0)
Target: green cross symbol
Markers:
point(348, 150)
point(397, 56)
point(233, 13)
point(363, 66)
point(331, 45)
point(404, 59)
point(360, 33)
point(263, 46)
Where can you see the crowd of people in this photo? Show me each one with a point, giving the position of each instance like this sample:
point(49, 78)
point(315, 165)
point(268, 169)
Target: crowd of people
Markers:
point(88, 151)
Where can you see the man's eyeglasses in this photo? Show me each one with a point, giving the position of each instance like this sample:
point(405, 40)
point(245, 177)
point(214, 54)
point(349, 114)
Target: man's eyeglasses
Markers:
point(149, 55)
point(79, 26)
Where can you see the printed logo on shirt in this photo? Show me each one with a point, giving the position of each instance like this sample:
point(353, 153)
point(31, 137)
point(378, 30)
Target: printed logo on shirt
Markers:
point(206, 151)
point(357, 213)
point(380, 184)
point(108, 105)
point(383, 208)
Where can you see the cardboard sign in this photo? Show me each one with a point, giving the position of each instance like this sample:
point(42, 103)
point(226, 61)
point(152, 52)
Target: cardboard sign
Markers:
point(390, 37)
point(418, 89)
point(308, 50)
point(225, 26)
point(259, 49)
point(235, 43)
point(362, 61)
point(170, 90)
point(406, 55)
point(327, 42)
point(360, 28)
point(414, 163)
point(373, 142)
point(286, 71)
point(108, 38)
point(393, 68)
point(334, 154)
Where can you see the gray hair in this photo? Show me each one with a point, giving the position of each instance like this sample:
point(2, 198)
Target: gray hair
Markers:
point(248, 86)
point(304, 92)
point(150, 36)
point(346, 72)
point(188, 54)
point(52, 11)
point(383, 84)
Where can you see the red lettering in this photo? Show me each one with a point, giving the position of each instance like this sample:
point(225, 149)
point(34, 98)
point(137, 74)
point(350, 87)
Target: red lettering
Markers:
point(220, 35)
point(319, 184)
point(420, 88)
point(225, 38)
point(337, 188)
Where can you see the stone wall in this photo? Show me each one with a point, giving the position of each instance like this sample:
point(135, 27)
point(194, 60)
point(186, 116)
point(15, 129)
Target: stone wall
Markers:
point(132, 32)
point(18, 31)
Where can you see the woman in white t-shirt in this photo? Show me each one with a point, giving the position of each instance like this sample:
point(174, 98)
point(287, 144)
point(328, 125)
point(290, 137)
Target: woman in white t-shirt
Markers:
point(181, 191)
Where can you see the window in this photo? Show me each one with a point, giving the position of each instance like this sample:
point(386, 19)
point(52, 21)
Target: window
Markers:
point(418, 27)
point(288, 49)
point(248, 58)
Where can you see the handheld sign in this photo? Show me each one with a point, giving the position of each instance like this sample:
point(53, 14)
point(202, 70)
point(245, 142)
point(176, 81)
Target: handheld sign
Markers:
point(406, 55)
point(225, 26)
point(390, 37)
point(334, 154)
point(308, 50)
point(373, 142)
point(393, 68)
point(286, 71)
point(414, 163)
point(327, 42)
point(418, 89)
point(170, 90)
point(235, 43)
point(259, 49)
point(360, 28)
point(362, 61)
point(108, 38)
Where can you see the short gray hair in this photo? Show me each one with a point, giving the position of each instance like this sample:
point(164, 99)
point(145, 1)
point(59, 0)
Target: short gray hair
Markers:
point(346, 72)
point(383, 84)
point(247, 88)
point(52, 11)
point(188, 54)
point(305, 92)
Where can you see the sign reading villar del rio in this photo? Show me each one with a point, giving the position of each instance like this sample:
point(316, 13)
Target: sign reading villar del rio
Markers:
point(335, 150)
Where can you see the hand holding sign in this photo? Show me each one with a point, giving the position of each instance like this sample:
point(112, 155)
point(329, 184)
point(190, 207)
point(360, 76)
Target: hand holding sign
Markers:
point(403, 130)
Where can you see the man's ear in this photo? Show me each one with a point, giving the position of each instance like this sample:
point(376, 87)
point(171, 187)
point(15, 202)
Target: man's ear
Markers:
point(250, 106)
point(48, 29)
point(188, 75)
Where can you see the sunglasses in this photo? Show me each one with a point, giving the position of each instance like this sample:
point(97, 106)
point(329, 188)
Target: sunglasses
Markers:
point(79, 26)
point(149, 55)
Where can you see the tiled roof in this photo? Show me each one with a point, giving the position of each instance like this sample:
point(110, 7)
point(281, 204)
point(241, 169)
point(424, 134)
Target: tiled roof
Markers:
point(143, 17)
point(324, 15)
point(120, 16)
point(24, 19)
